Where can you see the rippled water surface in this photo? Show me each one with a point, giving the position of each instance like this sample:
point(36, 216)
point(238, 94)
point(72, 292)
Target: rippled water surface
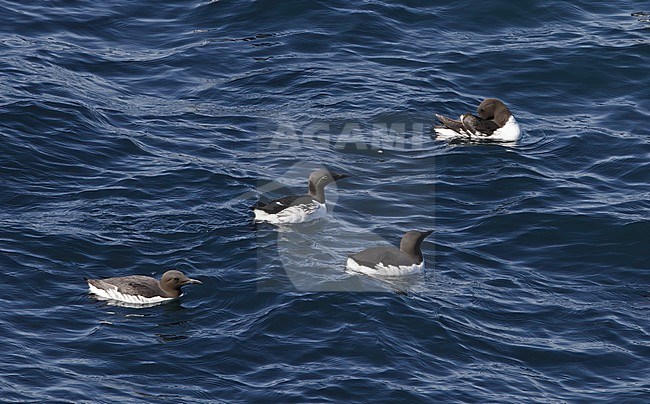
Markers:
point(136, 135)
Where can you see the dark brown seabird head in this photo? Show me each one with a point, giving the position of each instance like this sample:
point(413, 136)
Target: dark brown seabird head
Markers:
point(319, 179)
point(172, 281)
point(494, 109)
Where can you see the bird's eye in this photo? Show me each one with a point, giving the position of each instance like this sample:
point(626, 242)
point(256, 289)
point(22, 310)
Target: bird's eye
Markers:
point(176, 278)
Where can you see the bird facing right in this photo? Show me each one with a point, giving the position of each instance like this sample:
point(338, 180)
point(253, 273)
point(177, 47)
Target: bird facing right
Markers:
point(389, 260)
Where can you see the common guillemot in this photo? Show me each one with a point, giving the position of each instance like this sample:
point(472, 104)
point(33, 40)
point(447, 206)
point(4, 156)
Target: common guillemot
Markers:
point(138, 289)
point(299, 208)
point(389, 260)
point(494, 122)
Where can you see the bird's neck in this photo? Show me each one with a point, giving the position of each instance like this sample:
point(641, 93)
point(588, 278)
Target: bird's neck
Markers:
point(414, 252)
point(502, 115)
point(170, 292)
point(317, 192)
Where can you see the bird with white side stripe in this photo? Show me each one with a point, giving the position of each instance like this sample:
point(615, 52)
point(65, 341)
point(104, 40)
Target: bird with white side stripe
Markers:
point(299, 208)
point(494, 123)
point(389, 260)
point(138, 289)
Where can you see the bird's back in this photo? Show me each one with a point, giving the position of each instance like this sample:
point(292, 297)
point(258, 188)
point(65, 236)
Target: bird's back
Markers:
point(382, 255)
point(278, 205)
point(135, 285)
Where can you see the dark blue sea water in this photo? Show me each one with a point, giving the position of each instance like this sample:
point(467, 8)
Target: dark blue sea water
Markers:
point(135, 136)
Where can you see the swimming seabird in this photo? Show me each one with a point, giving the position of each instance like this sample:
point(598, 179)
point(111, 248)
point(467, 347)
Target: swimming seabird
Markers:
point(494, 122)
point(140, 289)
point(299, 208)
point(389, 260)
